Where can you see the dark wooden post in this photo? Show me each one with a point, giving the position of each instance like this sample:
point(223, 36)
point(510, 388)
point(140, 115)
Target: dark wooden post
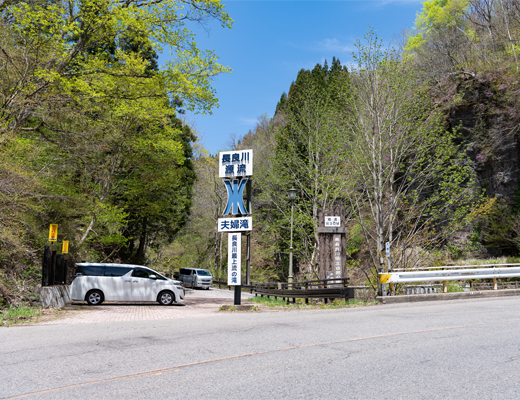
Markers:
point(46, 261)
point(57, 271)
point(52, 268)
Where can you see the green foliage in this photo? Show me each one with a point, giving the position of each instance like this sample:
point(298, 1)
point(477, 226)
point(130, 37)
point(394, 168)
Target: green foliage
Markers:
point(300, 303)
point(18, 315)
point(454, 287)
point(355, 240)
point(309, 146)
point(516, 201)
point(414, 186)
point(456, 251)
point(497, 227)
point(435, 14)
point(89, 137)
point(32, 271)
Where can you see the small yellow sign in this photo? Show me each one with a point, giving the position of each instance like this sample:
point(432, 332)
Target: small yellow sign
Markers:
point(65, 247)
point(383, 278)
point(53, 233)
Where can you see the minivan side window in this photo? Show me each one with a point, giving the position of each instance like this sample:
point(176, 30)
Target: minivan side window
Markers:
point(116, 271)
point(141, 273)
point(184, 271)
point(90, 270)
point(145, 273)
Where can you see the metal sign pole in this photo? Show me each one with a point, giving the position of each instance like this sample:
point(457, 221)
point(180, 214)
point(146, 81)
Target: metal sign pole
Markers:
point(248, 236)
point(248, 260)
point(238, 295)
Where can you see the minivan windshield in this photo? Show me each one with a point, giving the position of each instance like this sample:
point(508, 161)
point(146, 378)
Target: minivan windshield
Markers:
point(203, 272)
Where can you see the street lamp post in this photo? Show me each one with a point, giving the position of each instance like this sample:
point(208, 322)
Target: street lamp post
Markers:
point(292, 197)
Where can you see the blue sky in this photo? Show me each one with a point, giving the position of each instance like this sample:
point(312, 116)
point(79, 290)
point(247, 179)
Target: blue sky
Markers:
point(271, 41)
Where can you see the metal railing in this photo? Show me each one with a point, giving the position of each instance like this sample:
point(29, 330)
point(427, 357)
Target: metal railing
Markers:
point(319, 288)
point(451, 273)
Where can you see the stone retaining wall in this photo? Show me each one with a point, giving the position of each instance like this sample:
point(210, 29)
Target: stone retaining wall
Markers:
point(54, 296)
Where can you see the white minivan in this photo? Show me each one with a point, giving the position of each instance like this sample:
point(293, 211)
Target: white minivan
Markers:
point(196, 277)
point(97, 282)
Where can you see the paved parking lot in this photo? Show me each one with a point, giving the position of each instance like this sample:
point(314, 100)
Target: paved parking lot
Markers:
point(196, 303)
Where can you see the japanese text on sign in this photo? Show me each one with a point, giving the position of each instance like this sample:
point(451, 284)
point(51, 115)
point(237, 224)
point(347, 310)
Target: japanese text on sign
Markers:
point(333, 221)
point(234, 259)
point(235, 163)
point(65, 247)
point(53, 233)
point(235, 224)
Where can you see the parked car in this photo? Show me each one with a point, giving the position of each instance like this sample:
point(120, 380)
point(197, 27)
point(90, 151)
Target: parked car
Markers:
point(97, 282)
point(196, 277)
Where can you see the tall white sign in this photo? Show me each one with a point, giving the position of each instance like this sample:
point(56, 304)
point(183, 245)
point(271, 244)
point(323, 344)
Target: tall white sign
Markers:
point(234, 258)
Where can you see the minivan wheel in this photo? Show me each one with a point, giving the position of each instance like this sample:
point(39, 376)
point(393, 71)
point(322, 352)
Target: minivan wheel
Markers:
point(166, 298)
point(94, 297)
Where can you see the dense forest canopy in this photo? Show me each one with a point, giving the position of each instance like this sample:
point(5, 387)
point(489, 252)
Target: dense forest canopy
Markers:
point(419, 144)
point(90, 133)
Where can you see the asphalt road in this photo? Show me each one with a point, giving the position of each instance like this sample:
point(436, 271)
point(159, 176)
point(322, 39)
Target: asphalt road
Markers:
point(436, 350)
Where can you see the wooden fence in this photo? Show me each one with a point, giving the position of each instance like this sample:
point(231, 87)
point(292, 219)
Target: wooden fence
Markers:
point(316, 289)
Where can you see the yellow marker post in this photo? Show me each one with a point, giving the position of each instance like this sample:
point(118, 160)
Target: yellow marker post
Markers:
point(65, 247)
point(384, 278)
point(53, 233)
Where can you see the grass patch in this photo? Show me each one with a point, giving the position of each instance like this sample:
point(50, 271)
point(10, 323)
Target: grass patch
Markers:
point(300, 303)
point(19, 315)
point(270, 301)
point(475, 261)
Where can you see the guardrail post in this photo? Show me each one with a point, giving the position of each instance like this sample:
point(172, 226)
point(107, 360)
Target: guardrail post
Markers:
point(444, 287)
point(495, 285)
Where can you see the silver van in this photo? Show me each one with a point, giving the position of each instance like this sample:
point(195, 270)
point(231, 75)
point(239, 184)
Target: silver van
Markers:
point(196, 277)
point(97, 282)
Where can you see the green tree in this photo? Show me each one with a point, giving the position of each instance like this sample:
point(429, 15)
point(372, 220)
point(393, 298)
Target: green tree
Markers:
point(410, 176)
point(310, 153)
point(157, 195)
point(86, 115)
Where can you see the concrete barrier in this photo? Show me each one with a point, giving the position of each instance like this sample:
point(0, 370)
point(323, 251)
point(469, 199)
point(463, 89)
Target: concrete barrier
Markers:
point(447, 296)
point(54, 296)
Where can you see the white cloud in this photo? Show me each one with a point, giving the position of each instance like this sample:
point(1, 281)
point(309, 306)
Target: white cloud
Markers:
point(335, 45)
point(248, 121)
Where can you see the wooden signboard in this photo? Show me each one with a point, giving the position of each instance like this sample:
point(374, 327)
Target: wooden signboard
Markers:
point(332, 232)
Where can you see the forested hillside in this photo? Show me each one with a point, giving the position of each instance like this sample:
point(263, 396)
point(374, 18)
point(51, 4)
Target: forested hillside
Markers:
point(90, 132)
point(419, 143)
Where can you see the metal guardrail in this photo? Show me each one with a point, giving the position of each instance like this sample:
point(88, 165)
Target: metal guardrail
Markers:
point(452, 273)
point(455, 267)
